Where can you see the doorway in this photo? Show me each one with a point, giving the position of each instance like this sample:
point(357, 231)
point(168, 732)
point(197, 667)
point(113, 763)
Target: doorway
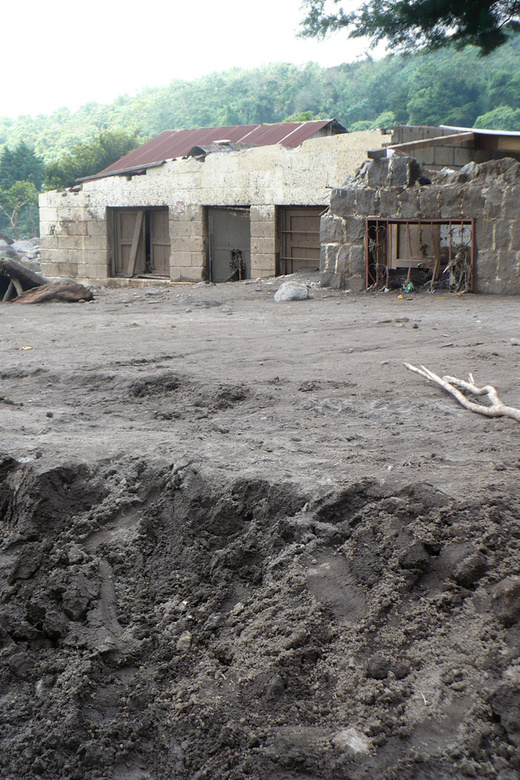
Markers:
point(140, 243)
point(300, 239)
point(229, 232)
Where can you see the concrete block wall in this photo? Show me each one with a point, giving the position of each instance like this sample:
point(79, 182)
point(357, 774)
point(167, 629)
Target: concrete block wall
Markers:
point(188, 245)
point(74, 227)
point(489, 194)
point(443, 156)
point(264, 241)
point(73, 241)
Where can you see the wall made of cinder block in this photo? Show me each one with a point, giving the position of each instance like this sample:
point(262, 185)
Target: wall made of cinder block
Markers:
point(488, 193)
point(74, 226)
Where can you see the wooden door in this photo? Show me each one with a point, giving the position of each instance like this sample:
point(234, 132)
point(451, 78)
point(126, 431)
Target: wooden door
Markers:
point(300, 239)
point(159, 242)
point(129, 249)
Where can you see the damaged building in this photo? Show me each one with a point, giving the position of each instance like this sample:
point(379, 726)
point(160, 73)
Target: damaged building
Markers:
point(434, 207)
point(216, 204)
point(437, 207)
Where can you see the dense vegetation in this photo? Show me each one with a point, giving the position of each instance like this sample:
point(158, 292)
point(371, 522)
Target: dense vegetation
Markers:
point(454, 87)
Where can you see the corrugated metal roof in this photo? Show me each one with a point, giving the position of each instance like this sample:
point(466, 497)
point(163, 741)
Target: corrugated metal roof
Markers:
point(482, 131)
point(177, 143)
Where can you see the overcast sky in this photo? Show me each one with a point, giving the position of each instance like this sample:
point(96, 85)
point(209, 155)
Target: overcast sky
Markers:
point(63, 53)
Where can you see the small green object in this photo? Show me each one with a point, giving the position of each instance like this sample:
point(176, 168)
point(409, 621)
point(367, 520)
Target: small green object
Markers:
point(409, 287)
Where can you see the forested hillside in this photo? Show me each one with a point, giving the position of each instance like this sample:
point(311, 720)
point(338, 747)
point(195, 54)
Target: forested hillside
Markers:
point(442, 87)
point(449, 87)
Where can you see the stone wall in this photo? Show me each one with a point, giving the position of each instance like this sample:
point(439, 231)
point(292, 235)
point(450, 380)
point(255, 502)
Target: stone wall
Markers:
point(451, 155)
point(489, 193)
point(75, 241)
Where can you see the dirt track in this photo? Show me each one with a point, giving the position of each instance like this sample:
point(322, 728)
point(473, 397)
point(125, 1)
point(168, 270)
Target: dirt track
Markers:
point(240, 540)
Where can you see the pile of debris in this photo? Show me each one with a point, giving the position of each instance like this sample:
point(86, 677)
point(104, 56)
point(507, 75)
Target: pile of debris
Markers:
point(21, 280)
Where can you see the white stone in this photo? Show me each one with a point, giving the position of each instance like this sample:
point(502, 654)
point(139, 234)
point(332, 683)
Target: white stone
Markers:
point(184, 642)
point(353, 739)
point(291, 291)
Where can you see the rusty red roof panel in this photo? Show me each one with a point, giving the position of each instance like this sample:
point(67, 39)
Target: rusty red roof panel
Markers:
point(177, 143)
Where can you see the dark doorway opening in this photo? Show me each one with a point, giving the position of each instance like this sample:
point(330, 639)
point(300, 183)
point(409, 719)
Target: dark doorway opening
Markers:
point(229, 232)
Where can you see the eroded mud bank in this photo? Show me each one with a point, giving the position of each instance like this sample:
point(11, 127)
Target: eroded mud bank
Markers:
point(160, 621)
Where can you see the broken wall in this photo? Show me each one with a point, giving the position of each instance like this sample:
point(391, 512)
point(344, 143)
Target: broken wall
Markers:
point(389, 188)
point(74, 236)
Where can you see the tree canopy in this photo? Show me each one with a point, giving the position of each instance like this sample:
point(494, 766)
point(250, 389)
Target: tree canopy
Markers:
point(87, 159)
point(408, 25)
point(21, 164)
point(13, 200)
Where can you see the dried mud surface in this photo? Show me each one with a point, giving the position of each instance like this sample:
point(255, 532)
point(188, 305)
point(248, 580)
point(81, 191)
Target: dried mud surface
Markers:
point(240, 540)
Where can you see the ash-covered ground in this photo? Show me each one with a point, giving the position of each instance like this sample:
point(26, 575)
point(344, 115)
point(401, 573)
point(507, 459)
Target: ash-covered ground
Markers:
point(240, 540)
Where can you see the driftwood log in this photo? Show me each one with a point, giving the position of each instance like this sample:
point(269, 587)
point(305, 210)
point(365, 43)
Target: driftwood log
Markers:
point(453, 386)
point(15, 270)
point(65, 292)
point(21, 278)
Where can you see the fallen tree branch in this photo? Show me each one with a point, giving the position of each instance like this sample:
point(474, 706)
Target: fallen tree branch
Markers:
point(64, 292)
point(15, 270)
point(451, 385)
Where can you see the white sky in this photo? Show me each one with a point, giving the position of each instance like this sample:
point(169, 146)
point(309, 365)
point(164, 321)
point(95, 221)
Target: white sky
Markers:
point(60, 53)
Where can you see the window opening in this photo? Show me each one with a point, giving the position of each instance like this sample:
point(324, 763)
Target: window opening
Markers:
point(428, 254)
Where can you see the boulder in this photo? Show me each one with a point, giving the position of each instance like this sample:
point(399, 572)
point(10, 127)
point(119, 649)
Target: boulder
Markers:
point(291, 291)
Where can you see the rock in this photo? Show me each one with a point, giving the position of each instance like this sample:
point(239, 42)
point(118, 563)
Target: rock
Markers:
point(275, 687)
point(291, 291)
point(353, 739)
point(21, 246)
point(378, 666)
point(506, 600)
point(463, 563)
point(184, 642)
point(9, 251)
point(414, 557)
point(470, 569)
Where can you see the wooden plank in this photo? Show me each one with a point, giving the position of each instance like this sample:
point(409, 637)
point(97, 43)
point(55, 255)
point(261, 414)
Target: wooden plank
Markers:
point(135, 243)
point(9, 292)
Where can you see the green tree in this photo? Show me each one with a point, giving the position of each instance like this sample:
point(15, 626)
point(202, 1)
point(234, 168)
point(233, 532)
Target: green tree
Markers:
point(21, 164)
point(502, 118)
point(89, 158)
point(302, 116)
point(12, 201)
point(412, 24)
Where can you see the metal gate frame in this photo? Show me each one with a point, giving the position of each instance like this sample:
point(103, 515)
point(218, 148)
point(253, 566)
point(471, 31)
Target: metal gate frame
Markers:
point(380, 228)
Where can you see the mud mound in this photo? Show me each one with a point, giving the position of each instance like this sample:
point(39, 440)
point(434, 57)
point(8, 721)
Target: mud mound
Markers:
point(159, 622)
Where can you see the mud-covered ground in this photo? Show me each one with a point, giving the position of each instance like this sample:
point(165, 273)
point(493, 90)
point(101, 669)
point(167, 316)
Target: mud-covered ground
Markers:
point(240, 540)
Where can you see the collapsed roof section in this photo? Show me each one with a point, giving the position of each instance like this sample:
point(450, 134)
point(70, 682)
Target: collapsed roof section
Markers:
point(171, 144)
